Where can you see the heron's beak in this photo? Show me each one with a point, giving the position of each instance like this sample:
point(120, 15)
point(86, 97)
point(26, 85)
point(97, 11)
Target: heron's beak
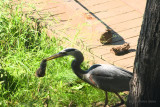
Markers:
point(56, 56)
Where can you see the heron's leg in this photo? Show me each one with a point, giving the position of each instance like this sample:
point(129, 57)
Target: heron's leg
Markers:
point(106, 100)
point(122, 101)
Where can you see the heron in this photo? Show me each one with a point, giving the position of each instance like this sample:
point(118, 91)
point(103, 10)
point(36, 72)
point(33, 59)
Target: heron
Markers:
point(106, 77)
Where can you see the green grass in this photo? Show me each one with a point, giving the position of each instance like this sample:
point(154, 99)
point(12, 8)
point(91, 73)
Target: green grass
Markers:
point(22, 47)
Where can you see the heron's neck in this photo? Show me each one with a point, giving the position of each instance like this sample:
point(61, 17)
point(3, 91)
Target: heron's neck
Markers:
point(76, 66)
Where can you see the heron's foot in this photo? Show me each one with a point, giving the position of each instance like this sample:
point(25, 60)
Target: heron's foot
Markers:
point(122, 101)
point(119, 104)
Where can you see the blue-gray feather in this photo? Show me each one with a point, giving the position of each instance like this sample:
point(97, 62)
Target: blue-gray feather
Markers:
point(109, 77)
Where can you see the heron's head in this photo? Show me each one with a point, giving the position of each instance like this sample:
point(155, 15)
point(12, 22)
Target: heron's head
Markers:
point(68, 51)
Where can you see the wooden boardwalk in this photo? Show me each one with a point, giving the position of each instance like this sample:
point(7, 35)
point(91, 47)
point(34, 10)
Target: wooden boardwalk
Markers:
point(70, 21)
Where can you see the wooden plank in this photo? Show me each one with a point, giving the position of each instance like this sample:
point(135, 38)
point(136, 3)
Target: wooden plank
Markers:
point(130, 32)
point(106, 6)
point(122, 18)
point(132, 41)
point(138, 5)
point(100, 50)
point(113, 58)
point(128, 62)
point(127, 25)
point(114, 12)
point(89, 3)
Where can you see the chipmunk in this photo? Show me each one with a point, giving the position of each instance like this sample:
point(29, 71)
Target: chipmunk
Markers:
point(106, 37)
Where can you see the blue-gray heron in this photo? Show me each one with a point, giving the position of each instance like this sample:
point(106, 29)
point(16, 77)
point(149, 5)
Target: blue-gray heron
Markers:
point(103, 76)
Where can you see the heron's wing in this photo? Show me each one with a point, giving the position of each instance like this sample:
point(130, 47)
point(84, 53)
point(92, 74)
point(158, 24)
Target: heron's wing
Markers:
point(108, 71)
point(109, 77)
point(124, 70)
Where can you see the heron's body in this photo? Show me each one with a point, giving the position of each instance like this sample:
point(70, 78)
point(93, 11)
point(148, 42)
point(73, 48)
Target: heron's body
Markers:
point(107, 77)
point(103, 76)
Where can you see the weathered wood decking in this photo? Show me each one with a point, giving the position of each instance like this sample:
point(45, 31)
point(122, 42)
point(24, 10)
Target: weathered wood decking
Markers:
point(71, 22)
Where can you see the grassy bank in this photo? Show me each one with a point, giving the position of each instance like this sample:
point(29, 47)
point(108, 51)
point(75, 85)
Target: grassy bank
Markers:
point(22, 47)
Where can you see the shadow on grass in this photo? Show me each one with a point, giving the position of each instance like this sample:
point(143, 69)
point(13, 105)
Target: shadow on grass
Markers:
point(8, 83)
